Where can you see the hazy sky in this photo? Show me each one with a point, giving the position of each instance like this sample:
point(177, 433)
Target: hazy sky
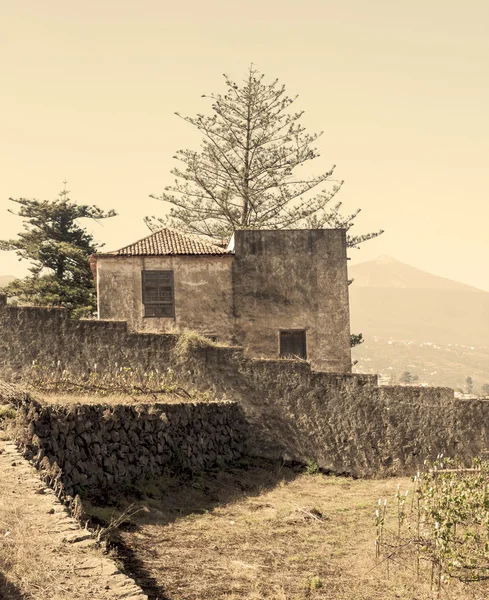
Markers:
point(400, 89)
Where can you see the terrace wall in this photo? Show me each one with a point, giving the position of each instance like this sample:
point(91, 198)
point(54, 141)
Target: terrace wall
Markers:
point(346, 422)
point(101, 448)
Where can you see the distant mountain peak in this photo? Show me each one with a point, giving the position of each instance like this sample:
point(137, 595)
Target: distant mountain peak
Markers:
point(388, 272)
point(386, 259)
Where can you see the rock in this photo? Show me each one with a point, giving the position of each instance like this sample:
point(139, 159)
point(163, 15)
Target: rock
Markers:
point(102, 447)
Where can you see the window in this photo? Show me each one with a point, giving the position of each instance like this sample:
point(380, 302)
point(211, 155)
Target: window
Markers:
point(158, 297)
point(293, 344)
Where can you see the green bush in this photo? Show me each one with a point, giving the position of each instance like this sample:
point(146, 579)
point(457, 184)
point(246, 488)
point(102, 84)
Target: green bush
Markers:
point(443, 522)
point(312, 468)
point(7, 412)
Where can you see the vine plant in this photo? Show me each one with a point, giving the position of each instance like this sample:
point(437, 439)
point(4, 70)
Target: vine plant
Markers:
point(440, 529)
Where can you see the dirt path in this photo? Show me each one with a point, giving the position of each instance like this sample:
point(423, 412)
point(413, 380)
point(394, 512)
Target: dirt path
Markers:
point(44, 555)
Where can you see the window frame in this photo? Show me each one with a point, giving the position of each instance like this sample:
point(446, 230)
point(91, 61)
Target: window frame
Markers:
point(147, 304)
point(295, 330)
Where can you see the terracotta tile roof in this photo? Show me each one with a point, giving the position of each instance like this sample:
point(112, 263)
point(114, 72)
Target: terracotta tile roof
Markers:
point(169, 242)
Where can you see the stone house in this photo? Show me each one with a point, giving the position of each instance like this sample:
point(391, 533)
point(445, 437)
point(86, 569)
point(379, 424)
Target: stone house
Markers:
point(276, 293)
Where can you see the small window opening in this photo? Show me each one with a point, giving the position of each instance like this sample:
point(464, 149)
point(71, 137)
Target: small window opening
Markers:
point(293, 344)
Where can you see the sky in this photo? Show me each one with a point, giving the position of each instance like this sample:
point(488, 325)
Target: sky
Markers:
point(400, 90)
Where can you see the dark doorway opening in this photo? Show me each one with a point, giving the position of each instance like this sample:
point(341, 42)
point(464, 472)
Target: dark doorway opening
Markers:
point(293, 344)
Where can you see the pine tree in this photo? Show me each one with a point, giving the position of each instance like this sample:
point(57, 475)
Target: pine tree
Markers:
point(245, 175)
point(59, 250)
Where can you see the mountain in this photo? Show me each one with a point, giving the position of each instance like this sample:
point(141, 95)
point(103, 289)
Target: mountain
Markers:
point(391, 299)
point(387, 272)
point(6, 279)
point(418, 322)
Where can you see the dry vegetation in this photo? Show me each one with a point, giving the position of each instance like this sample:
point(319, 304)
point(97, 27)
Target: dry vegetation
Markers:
point(114, 399)
point(30, 568)
point(261, 532)
point(35, 562)
point(118, 385)
point(255, 531)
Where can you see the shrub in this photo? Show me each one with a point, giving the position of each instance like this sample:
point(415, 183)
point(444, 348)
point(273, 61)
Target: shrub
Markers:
point(443, 523)
point(7, 413)
point(312, 468)
point(188, 342)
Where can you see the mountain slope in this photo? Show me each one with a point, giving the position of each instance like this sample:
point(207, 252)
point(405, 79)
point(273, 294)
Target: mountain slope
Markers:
point(413, 321)
point(387, 272)
point(391, 299)
point(434, 364)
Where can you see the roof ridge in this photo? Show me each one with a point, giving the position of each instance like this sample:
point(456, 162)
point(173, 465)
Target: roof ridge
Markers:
point(169, 241)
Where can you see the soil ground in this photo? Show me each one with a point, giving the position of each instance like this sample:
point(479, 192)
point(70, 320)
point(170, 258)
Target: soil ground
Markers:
point(255, 531)
point(44, 555)
point(259, 532)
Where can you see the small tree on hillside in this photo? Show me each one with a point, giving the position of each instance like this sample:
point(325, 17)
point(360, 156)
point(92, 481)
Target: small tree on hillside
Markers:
point(485, 389)
point(59, 250)
point(469, 384)
point(408, 378)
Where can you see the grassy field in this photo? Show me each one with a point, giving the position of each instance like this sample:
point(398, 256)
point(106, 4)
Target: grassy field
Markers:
point(263, 532)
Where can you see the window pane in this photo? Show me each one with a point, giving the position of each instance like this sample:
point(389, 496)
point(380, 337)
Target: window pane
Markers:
point(151, 278)
point(158, 310)
point(164, 294)
point(292, 344)
point(157, 293)
point(151, 295)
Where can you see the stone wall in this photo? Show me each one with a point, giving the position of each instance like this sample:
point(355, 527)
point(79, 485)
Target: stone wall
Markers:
point(49, 336)
point(102, 448)
point(346, 422)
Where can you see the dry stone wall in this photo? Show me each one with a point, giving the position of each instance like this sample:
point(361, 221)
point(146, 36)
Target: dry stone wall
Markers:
point(346, 422)
point(102, 448)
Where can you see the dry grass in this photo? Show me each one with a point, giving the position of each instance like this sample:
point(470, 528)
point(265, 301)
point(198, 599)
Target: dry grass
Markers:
point(285, 536)
point(29, 573)
point(35, 562)
point(75, 399)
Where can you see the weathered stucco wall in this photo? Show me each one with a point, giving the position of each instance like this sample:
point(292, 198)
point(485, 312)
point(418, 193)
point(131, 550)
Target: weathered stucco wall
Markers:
point(202, 288)
point(344, 421)
point(293, 280)
point(276, 280)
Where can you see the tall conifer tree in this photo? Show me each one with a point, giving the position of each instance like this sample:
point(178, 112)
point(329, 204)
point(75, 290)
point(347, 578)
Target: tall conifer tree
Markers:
point(59, 250)
point(246, 174)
